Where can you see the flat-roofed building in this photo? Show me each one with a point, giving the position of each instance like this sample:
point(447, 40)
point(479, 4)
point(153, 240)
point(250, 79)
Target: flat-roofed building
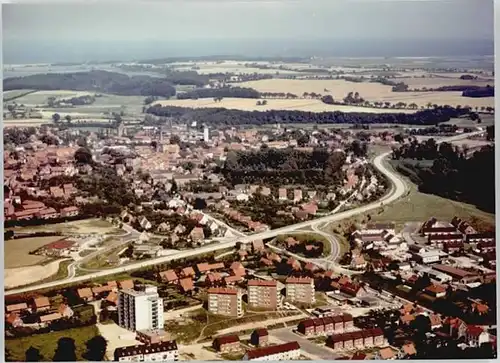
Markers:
point(225, 301)
point(263, 294)
point(300, 289)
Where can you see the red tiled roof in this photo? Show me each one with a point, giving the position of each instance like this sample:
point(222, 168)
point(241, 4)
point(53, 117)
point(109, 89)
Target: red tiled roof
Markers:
point(271, 350)
point(262, 283)
point(126, 284)
point(14, 307)
point(474, 330)
point(299, 280)
point(222, 291)
point(187, 284)
point(41, 302)
point(169, 276)
point(227, 339)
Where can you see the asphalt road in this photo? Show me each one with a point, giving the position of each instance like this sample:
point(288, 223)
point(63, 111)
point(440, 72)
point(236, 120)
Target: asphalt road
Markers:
point(398, 190)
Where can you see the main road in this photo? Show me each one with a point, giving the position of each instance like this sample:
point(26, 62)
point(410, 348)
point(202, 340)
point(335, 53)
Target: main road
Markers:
point(398, 189)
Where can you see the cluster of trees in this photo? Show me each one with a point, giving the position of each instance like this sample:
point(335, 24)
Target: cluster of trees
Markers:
point(75, 101)
point(487, 91)
point(235, 92)
point(222, 116)
point(453, 173)
point(17, 136)
point(284, 95)
point(353, 98)
point(95, 81)
point(288, 166)
point(172, 76)
point(66, 351)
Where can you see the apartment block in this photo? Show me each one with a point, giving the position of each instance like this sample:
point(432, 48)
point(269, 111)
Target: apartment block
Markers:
point(300, 289)
point(263, 294)
point(140, 308)
point(225, 301)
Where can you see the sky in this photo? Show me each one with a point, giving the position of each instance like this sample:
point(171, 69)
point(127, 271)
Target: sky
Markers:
point(141, 24)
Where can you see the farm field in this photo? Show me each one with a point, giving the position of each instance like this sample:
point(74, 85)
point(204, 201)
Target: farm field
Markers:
point(28, 122)
point(338, 88)
point(370, 91)
point(106, 103)
point(439, 98)
point(236, 67)
point(40, 97)
point(249, 104)
point(17, 251)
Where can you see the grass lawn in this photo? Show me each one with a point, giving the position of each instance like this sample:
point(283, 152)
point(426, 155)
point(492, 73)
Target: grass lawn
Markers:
point(47, 343)
point(415, 206)
point(418, 206)
point(17, 251)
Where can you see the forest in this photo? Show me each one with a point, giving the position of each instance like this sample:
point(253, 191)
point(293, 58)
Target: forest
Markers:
point(222, 116)
point(280, 167)
point(450, 172)
point(236, 92)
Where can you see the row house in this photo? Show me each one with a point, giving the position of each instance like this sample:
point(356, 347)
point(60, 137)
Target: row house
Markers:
point(326, 326)
point(286, 351)
point(227, 343)
point(161, 352)
point(441, 239)
point(356, 340)
point(486, 237)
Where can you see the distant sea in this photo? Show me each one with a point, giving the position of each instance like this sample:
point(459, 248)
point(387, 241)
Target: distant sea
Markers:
point(81, 51)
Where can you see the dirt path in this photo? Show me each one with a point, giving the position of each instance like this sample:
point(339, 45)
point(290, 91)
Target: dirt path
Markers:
point(260, 324)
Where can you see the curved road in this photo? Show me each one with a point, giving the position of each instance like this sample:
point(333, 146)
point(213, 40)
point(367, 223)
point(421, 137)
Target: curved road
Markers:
point(398, 189)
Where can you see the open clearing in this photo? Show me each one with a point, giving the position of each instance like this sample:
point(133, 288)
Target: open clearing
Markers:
point(83, 226)
point(40, 97)
point(47, 343)
point(370, 91)
point(249, 104)
point(107, 103)
point(28, 122)
point(21, 276)
point(419, 207)
point(17, 251)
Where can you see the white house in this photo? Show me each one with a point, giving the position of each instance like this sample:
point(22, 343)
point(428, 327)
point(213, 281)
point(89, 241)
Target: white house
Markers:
point(159, 352)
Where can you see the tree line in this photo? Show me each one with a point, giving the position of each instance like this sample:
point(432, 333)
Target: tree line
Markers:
point(234, 92)
point(94, 81)
point(222, 116)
